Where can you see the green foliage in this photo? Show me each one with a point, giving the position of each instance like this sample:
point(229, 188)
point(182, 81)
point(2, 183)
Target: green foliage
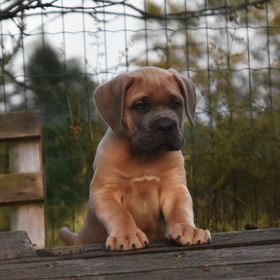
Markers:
point(153, 8)
point(63, 93)
point(234, 176)
point(232, 154)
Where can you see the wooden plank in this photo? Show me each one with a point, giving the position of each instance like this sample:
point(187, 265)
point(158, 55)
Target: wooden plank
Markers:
point(256, 236)
point(15, 245)
point(21, 188)
point(26, 157)
point(257, 271)
point(140, 264)
point(219, 240)
point(249, 271)
point(31, 218)
point(19, 125)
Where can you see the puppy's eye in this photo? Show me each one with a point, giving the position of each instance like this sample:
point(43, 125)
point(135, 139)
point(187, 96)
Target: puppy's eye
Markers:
point(141, 105)
point(176, 103)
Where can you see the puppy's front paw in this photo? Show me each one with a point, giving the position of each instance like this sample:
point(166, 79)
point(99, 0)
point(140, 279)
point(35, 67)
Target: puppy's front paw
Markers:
point(187, 235)
point(127, 240)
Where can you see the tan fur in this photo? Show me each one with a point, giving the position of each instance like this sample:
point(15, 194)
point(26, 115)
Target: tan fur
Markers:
point(138, 198)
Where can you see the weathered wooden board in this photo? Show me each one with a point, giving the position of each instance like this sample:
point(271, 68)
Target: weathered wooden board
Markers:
point(15, 245)
point(24, 185)
point(219, 240)
point(237, 255)
point(30, 218)
point(200, 262)
point(268, 270)
point(18, 125)
point(21, 187)
point(26, 157)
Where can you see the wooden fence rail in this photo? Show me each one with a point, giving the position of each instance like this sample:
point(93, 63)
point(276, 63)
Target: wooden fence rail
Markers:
point(23, 186)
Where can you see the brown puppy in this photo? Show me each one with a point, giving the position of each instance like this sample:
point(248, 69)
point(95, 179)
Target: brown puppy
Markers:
point(138, 193)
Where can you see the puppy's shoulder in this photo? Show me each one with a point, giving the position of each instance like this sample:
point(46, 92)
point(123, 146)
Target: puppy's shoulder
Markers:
point(112, 141)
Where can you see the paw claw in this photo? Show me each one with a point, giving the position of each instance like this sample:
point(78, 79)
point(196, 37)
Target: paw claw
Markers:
point(126, 240)
point(186, 234)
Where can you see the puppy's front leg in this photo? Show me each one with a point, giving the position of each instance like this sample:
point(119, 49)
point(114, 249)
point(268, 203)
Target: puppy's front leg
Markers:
point(178, 214)
point(123, 233)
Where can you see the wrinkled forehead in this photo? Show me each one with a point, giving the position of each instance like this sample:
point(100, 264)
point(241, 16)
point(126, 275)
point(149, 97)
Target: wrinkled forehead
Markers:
point(158, 84)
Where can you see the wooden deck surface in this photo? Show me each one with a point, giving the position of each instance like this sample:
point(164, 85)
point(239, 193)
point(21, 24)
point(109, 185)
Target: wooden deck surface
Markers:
point(253, 254)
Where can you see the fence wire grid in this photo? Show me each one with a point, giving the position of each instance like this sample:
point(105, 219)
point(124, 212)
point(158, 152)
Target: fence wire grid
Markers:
point(54, 53)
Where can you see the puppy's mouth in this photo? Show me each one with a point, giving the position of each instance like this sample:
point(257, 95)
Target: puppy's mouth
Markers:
point(159, 136)
point(157, 144)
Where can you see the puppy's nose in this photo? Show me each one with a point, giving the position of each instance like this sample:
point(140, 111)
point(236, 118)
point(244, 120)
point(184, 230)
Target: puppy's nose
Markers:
point(166, 125)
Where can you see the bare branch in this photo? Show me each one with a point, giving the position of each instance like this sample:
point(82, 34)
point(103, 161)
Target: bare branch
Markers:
point(15, 81)
point(17, 7)
point(14, 10)
point(8, 56)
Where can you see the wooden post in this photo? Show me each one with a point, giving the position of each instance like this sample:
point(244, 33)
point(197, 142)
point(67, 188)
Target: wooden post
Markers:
point(24, 186)
point(25, 157)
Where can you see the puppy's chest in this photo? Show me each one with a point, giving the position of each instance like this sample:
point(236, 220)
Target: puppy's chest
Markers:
point(142, 197)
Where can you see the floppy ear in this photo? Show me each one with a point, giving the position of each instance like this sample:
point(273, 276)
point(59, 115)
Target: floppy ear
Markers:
point(109, 99)
point(188, 91)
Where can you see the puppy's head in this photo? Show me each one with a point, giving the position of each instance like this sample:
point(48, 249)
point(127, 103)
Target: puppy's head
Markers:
point(148, 105)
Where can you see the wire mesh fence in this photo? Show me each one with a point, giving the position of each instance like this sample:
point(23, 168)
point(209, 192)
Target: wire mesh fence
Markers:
point(54, 53)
